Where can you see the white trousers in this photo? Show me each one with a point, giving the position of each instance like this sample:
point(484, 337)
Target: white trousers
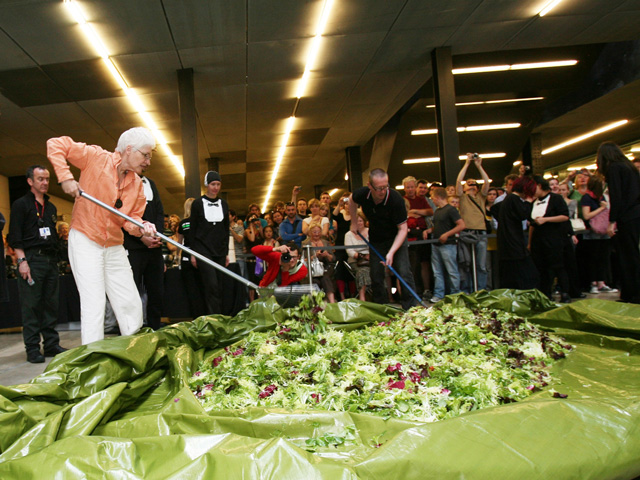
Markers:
point(98, 271)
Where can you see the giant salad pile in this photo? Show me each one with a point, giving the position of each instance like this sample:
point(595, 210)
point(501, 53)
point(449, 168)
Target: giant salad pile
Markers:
point(425, 365)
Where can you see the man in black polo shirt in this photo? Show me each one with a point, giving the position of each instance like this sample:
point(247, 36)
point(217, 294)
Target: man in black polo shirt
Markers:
point(387, 215)
point(32, 234)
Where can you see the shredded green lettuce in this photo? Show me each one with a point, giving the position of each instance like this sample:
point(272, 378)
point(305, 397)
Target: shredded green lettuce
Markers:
point(426, 365)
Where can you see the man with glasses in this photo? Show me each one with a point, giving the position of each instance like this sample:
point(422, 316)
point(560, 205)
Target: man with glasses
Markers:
point(33, 236)
point(385, 209)
point(473, 212)
point(96, 253)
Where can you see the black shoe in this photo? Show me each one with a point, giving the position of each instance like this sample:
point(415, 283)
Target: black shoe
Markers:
point(565, 298)
point(112, 330)
point(35, 357)
point(53, 351)
point(580, 296)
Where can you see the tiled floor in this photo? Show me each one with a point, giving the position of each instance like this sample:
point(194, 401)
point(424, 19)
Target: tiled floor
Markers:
point(14, 368)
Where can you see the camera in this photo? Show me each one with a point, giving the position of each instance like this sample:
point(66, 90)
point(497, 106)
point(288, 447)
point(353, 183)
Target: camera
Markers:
point(346, 200)
point(475, 156)
point(285, 257)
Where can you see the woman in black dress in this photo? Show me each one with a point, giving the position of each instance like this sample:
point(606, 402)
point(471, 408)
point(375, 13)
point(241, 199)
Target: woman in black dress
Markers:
point(624, 216)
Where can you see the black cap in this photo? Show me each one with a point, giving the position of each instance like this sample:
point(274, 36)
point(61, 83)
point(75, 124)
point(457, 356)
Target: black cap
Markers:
point(211, 176)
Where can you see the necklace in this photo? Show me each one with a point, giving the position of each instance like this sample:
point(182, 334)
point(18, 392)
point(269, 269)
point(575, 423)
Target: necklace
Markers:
point(120, 187)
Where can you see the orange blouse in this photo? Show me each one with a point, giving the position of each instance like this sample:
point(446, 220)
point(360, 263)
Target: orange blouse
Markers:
point(99, 178)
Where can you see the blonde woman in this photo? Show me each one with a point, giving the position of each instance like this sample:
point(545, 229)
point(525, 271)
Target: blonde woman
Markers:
point(326, 257)
point(359, 257)
point(316, 217)
point(174, 224)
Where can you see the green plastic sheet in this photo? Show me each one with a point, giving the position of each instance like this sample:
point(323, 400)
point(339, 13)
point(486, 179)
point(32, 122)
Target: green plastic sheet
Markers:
point(120, 408)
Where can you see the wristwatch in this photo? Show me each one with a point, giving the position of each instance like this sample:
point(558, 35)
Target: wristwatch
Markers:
point(20, 260)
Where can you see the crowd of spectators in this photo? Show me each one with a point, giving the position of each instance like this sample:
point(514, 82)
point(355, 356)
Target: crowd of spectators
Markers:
point(567, 237)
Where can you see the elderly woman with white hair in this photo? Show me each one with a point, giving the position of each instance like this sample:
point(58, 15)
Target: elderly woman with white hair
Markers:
point(97, 256)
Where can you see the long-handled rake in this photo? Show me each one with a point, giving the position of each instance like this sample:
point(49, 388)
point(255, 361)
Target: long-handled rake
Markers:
point(286, 296)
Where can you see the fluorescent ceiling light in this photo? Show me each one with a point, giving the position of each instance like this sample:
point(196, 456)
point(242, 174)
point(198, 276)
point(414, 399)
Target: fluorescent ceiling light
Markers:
point(332, 192)
point(486, 155)
point(519, 162)
point(399, 187)
point(430, 131)
point(410, 161)
point(98, 45)
point(500, 126)
point(276, 168)
point(550, 6)
point(585, 136)
point(300, 92)
point(346, 176)
point(630, 156)
point(515, 66)
point(490, 102)
point(635, 149)
point(472, 128)
point(547, 176)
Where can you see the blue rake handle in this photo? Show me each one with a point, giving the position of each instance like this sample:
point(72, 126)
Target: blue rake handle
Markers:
point(406, 285)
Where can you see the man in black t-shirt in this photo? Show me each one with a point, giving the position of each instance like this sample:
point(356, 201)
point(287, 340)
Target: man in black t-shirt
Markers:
point(387, 215)
point(210, 236)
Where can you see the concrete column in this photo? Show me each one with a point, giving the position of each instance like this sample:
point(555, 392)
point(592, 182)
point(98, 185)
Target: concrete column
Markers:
point(187, 101)
point(354, 167)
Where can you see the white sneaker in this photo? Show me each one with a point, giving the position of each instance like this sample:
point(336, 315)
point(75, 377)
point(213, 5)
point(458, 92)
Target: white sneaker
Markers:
point(594, 289)
point(607, 289)
point(435, 299)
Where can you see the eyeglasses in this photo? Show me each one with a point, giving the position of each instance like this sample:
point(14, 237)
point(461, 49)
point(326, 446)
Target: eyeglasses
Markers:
point(380, 189)
point(147, 156)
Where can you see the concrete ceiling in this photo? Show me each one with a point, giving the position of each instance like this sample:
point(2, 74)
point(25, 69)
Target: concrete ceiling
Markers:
point(247, 57)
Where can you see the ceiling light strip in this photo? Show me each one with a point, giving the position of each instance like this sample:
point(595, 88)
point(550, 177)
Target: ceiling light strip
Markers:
point(550, 6)
point(411, 161)
point(472, 128)
point(312, 55)
point(96, 42)
point(491, 102)
point(585, 136)
point(515, 66)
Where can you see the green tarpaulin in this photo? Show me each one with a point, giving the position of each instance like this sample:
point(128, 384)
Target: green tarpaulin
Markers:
point(120, 408)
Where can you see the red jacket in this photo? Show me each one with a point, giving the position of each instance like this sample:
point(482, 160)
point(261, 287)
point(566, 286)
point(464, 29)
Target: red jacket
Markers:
point(267, 254)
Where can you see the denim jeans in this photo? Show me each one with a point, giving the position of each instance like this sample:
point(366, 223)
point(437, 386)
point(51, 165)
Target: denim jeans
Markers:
point(444, 261)
point(466, 277)
point(401, 265)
